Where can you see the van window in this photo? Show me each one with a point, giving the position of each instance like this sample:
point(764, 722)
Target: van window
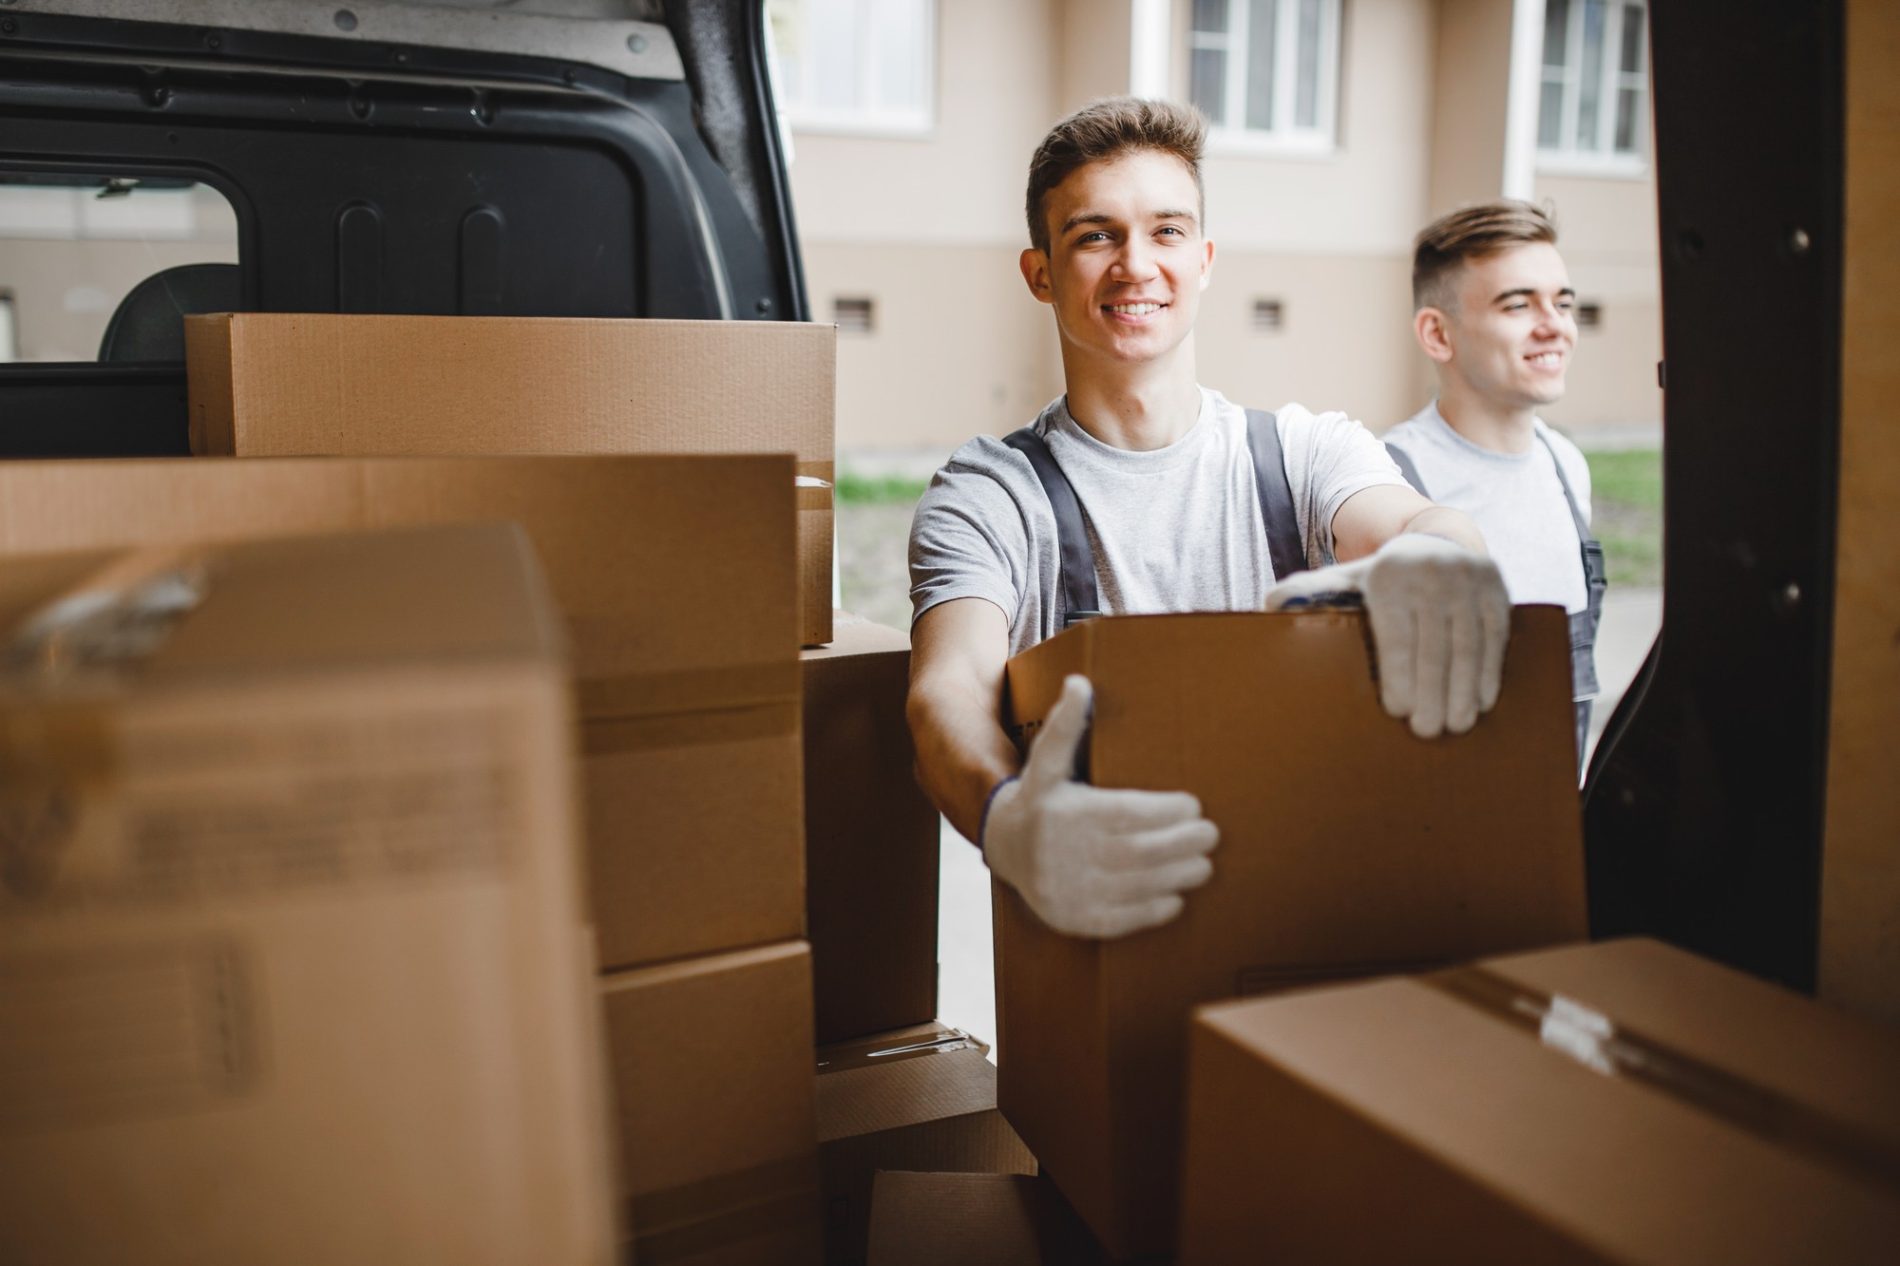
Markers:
point(73, 248)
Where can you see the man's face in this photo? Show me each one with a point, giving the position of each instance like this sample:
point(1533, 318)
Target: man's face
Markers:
point(1126, 262)
point(1511, 327)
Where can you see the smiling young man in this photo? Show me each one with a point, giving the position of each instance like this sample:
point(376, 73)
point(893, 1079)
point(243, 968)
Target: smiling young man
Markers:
point(1495, 311)
point(1140, 490)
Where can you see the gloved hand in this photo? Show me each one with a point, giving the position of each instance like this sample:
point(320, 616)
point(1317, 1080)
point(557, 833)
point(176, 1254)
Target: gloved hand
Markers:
point(1439, 615)
point(1092, 861)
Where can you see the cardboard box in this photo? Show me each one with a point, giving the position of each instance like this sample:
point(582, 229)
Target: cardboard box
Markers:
point(292, 960)
point(269, 384)
point(674, 576)
point(1348, 848)
point(925, 1219)
point(871, 838)
point(1616, 1103)
point(710, 1061)
point(919, 1098)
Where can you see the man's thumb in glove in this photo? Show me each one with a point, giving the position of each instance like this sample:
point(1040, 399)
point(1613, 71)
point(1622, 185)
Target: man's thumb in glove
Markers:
point(1052, 756)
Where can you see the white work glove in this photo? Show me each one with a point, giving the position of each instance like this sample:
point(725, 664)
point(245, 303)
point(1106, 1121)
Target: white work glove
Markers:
point(1092, 861)
point(1440, 616)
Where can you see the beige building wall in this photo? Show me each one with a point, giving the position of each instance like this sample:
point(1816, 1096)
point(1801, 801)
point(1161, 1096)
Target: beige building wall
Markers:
point(1606, 228)
point(928, 228)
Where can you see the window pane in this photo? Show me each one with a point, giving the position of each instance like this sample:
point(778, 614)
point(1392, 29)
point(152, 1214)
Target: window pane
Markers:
point(1632, 62)
point(1629, 107)
point(1261, 34)
point(834, 65)
point(897, 66)
point(1550, 116)
point(1306, 99)
point(1556, 29)
point(1207, 83)
point(1590, 88)
point(1210, 15)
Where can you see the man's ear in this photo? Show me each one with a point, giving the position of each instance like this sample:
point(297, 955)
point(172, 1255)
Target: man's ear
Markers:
point(1432, 329)
point(1035, 266)
point(1207, 261)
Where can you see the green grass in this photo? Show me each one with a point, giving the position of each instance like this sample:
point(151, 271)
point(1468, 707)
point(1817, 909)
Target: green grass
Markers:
point(1626, 495)
point(868, 490)
point(1632, 477)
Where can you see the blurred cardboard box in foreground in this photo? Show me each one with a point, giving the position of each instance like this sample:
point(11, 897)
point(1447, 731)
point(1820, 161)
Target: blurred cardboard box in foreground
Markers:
point(871, 837)
point(1348, 848)
point(674, 577)
point(919, 1098)
point(293, 965)
point(712, 1078)
point(926, 1219)
point(269, 384)
point(1618, 1103)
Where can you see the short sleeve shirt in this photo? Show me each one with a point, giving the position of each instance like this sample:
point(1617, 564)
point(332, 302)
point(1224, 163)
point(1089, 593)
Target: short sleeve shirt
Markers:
point(1173, 529)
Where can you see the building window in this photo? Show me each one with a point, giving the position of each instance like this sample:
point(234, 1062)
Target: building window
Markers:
point(1593, 105)
point(1266, 70)
point(854, 66)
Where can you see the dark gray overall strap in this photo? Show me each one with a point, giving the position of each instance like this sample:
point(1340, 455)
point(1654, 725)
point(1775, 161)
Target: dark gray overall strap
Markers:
point(1285, 546)
point(1408, 468)
point(1570, 498)
point(1079, 595)
point(1584, 623)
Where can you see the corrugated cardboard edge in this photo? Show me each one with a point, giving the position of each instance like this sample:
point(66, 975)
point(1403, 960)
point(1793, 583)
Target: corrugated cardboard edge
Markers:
point(210, 389)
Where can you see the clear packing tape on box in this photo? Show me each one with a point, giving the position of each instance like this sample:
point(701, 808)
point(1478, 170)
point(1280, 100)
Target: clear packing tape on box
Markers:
point(1594, 1040)
point(85, 643)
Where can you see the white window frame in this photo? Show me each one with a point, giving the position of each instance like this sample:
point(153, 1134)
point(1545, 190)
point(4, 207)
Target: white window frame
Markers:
point(866, 121)
point(1320, 139)
point(1603, 159)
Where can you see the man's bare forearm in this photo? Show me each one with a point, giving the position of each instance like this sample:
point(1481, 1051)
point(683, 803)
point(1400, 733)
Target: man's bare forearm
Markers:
point(1452, 525)
point(955, 705)
point(962, 753)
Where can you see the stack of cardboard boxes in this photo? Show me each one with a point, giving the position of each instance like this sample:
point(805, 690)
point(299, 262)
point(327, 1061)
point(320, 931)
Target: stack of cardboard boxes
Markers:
point(292, 946)
point(687, 583)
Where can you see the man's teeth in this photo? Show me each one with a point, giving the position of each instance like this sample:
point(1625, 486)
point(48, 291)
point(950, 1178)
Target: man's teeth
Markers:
point(1134, 309)
point(1546, 359)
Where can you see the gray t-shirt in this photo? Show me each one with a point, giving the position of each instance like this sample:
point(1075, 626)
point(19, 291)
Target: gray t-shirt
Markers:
point(1514, 498)
point(1175, 529)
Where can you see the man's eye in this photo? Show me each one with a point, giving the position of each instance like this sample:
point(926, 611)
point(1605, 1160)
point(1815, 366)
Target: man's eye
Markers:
point(1096, 236)
point(1516, 307)
point(1169, 228)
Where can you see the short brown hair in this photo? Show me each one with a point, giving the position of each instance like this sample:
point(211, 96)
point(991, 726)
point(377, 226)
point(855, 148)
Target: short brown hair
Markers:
point(1107, 129)
point(1471, 233)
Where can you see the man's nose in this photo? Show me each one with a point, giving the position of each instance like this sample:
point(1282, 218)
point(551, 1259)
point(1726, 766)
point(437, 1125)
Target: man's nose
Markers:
point(1135, 261)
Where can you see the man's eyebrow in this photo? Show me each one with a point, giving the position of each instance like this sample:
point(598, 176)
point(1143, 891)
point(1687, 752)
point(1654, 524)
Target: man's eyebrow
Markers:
point(1101, 217)
point(1528, 292)
point(1085, 217)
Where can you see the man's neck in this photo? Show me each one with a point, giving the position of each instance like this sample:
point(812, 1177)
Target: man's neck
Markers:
point(1135, 407)
point(1499, 428)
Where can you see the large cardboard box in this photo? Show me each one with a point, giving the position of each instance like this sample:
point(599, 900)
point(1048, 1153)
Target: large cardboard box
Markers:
point(1348, 848)
point(269, 384)
point(292, 959)
point(931, 1219)
point(1618, 1103)
point(674, 577)
point(871, 838)
point(918, 1098)
point(710, 1062)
